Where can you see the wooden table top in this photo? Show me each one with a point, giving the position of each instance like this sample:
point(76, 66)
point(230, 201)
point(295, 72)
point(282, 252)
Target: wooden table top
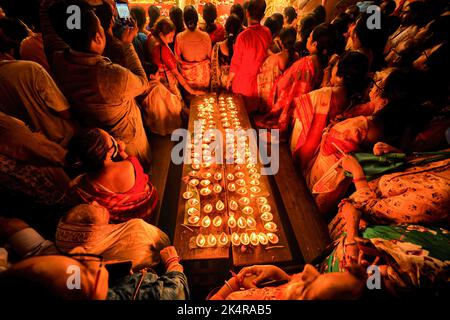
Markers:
point(185, 233)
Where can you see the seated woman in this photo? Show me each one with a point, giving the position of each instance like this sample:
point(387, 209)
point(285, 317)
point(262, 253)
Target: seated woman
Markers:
point(306, 285)
point(290, 18)
point(419, 194)
point(87, 226)
point(222, 54)
point(160, 108)
point(409, 257)
point(275, 28)
point(164, 58)
point(114, 180)
point(307, 25)
point(314, 110)
point(302, 77)
point(193, 51)
point(215, 30)
point(274, 65)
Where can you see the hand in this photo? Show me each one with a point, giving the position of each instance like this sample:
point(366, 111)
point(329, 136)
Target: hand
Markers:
point(129, 33)
point(352, 165)
point(347, 219)
point(167, 253)
point(122, 146)
point(263, 273)
point(381, 148)
point(249, 281)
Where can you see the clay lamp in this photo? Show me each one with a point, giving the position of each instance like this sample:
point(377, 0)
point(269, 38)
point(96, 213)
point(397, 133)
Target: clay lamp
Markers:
point(205, 191)
point(255, 189)
point(242, 223)
point(217, 221)
point(208, 208)
point(235, 239)
point(245, 239)
point(205, 183)
point(188, 195)
point(239, 175)
point(193, 182)
point(273, 238)
point(265, 208)
point(244, 201)
point(261, 200)
point(193, 212)
point(232, 222)
point(270, 226)
point(193, 173)
point(223, 239)
point(231, 187)
point(193, 219)
point(211, 240)
point(251, 223)
point(254, 182)
point(217, 188)
point(240, 182)
point(195, 166)
point(254, 240)
point(263, 238)
point(242, 190)
point(220, 205)
point(206, 221)
point(193, 202)
point(247, 210)
point(267, 216)
point(200, 241)
point(230, 177)
point(233, 205)
point(218, 176)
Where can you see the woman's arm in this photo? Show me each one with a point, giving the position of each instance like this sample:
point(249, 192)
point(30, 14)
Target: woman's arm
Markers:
point(184, 84)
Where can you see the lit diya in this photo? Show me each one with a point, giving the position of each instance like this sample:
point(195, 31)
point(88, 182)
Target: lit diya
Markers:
point(200, 240)
point(263, 238)
point(244, 201)
point(230, 176)
point(267, 216)
point(242, 223)
point(206, 164)
point(206, 175)
point(193, 212)
point(240, 182)
point(242, 190)
point(273, 238)
point(252, 171)
point(223, 239)
point(254, 239)
point(188, 195)
point(255, 189)
point(254, 182)
point(220, 205)
point(270, 226)
point(240, 175)
point(206, 221)
point(251, 223)
point(231, 187)
point(193, 219)
point(205, 191)
point(193, 182)
point(193, 173)
point(233, 205)
point(251, 166)
point(211, 240)
point(193, 202)
point(235, 240)
point(208, 208)
point(218, 176)
point(265, 208)
point(232, 222)
point(195, 166)
point(245, 239)
point(217, 188)
point(261, 200)
point(247, 210)
point(217, 221)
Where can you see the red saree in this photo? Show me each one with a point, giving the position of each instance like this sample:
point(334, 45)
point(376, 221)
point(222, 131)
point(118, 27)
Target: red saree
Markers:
point(302, 77)
point(138, 202)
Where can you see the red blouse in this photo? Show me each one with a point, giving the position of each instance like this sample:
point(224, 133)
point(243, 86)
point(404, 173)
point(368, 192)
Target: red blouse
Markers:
point(162, 56)
point(218, 34)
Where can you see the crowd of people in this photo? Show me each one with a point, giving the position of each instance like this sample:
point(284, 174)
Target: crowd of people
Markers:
point(363, 109)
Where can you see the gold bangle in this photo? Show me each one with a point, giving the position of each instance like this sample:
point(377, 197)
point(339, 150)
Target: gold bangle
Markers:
point(229, 286)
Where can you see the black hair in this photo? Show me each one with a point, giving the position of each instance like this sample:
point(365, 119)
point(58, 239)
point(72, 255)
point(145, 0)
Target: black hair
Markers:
point(140, 16)
point(13, 33)
point(152, 68)
point(79, 39)
point(245, 7)
point(164, 26)
point(288, 37)
point(153, 14)
point(238, 10)
point(190, 17)
point(256, 9)
point(319, 14)
point(325, 36)
point(290, 14)
point(389, 7)
point(353, 67)
point(232, 28)
point(272, 25)
point(418, 13)
point(176, 16)
point(278, 17)
point(89, 147)
point(104, 13)
point(210, 16)
point(307, 24)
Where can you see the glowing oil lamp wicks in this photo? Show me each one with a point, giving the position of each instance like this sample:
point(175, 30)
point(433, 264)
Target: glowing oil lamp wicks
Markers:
point(230, 177)
point(242, 223)
point(265, 208)
point(218, 176)
point(270, 226)
point(211, 240)
point(205, 183)
point(231, 187)
point(235, 239)
point(217, 188)
point(193, 219)
point(220, 205)
point(245, 239)
point(267, 216)
point(206, 165)
point(240, 182)
point(195, 166)
point(200, 241)
point(254, 182)
point(193, 173)
point(254, 239)
point(255, 176)
point(206, 221)
point(233, 205)
point(206, 175)
point(239, 175)
point(263, 238)
point(217, 221)
point(244, 201)
point(193, 202)
point(223, 239)
point(252, 171)
point(188, 195)
point(193, 212)
point(232, 222)
point(251, 223)
point(242, 190)
point(208, 208)
point(193, 182)
point(261, 200)
point(251, 166)
point(247, 210)
point(272, 237)
point(255, 189)
point(205, 191)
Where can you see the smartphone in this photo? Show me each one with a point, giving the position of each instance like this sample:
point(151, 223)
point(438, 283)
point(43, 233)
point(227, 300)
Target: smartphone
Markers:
point(124, 13)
